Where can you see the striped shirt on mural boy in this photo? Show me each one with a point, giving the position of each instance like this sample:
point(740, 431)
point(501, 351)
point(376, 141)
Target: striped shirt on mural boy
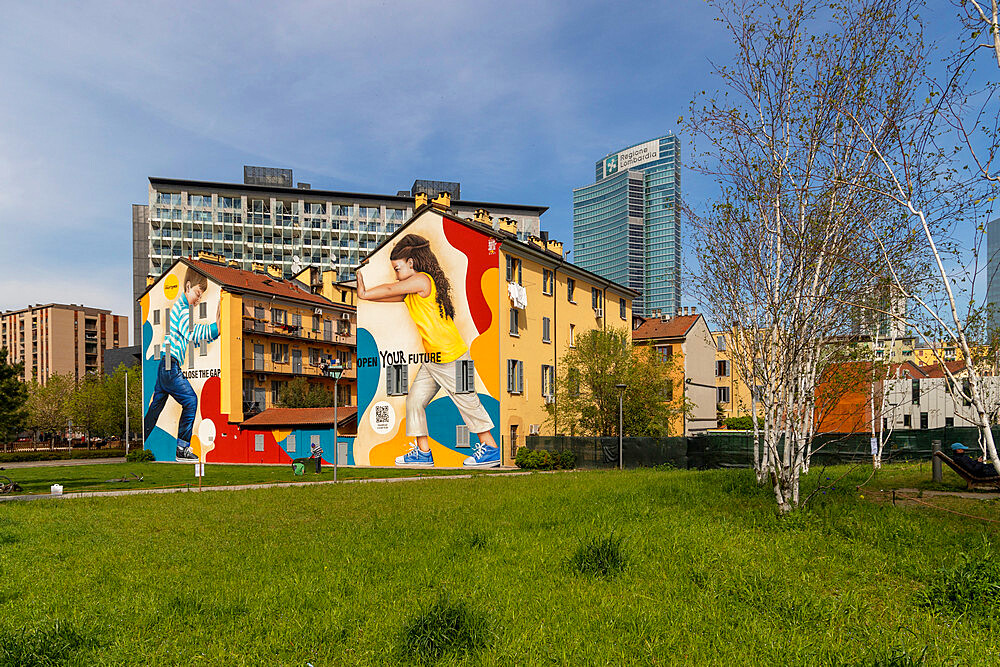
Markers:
point(182, 333)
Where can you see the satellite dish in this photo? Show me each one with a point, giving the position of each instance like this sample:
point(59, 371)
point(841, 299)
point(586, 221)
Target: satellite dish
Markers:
point(296, 264)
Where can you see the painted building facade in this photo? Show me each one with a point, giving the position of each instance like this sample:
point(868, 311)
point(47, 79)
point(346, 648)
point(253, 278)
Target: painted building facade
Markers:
point(219, 344)
point(516, 306)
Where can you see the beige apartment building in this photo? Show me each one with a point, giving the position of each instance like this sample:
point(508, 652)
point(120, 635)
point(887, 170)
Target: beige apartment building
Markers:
point(61, 338)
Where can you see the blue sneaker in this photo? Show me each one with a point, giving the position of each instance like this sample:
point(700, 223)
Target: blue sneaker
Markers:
point(484, 457)
point(415, 457)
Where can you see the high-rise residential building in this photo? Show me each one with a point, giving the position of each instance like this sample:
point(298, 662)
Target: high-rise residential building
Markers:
point(993, 271)
point(270, 220)
point(61, 338)
point(627, 224)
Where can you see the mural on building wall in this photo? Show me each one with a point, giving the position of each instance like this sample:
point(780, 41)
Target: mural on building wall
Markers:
point(428, 348)
point(181, 364)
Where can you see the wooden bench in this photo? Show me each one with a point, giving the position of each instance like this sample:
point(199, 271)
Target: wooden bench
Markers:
point(971, 480)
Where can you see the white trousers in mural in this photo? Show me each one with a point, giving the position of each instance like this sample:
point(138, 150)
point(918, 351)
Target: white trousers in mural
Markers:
point(432, 377)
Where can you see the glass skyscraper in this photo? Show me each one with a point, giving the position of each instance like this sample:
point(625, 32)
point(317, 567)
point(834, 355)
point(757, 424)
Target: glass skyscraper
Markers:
point(627, 224)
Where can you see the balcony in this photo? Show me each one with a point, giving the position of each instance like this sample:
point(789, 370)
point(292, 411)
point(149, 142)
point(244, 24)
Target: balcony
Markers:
point(294, 332)
point(267, 365)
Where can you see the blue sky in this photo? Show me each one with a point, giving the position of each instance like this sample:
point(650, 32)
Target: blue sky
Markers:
point(516, 100)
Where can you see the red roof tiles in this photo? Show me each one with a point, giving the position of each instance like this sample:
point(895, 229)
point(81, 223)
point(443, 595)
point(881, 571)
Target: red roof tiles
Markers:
point(299, 417)
point(675, 327)
point(250, 281)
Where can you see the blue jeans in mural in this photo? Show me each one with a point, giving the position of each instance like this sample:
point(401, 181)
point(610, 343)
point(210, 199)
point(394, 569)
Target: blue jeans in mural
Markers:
point(171, 382)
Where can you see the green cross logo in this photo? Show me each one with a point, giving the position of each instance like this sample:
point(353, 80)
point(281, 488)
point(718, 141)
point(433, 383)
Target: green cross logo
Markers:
point(610, 165)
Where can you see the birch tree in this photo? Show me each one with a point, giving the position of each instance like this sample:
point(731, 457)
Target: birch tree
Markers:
point(940, 167)
point(786, 252)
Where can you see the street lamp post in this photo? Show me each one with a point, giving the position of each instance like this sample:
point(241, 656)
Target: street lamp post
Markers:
point(335, 370)
point(621, 393)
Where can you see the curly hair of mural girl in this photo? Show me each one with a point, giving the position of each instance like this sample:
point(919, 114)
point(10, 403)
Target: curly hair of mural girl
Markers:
point(416, 248)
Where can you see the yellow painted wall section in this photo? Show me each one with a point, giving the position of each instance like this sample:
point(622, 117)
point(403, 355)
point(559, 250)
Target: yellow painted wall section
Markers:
point(527, 409)
point(231, 324)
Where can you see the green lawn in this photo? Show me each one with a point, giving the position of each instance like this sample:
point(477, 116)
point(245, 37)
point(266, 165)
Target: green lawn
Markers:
point(367, 574)
point(94, 477)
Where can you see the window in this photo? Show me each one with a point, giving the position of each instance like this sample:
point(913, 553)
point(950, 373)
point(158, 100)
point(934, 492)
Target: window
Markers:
point(290, 443)
point(546, 330)
point(548, 281)
point(572, 335)
point(203, 348)
point(462, 436)
point(156, 316)
point(915, 391)
point(297, 320)
point(513, 322)
point(548, 381)
point(923, 421)
point(906, 420)
point(949, 422)
point(156, 351)
point(279, 353)
point(596, 298)
point(465, 376)
point(202, 310)
point(343, 296)
point(277, 316)
point(258, 313)
point(317, 323)
point(396, 379)
point(665, 352)
point(343, 394)
point(515, 376)
point(721, 368)
point(720, 343)
point(513, 270)
point(570, 288)
point(722, 394)
point(313, 356)
point(621, 309)
point(276, 387)
point(258, 442)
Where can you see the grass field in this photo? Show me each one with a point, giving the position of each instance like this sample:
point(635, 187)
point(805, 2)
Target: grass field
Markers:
point(640, 567)
point(99, 476)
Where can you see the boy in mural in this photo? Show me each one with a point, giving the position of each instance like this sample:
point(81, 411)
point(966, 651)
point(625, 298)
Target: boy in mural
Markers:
point(422, 286)
point(170, 380)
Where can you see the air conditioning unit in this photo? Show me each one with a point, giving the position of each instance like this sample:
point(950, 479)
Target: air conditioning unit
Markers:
point(345, 316)
point(260, 377)
point(317, 311)
point(598, 312)
point(549, 400)
point(534, 429)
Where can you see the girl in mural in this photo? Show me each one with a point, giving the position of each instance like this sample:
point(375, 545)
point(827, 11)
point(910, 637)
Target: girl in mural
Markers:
point(422, 286)
point(170, 380)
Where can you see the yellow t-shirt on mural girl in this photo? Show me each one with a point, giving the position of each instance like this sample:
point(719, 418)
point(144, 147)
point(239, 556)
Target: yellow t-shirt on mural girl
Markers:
point(438, 332)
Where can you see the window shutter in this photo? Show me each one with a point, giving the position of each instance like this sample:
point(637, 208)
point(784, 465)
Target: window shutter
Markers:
point(470, 376)
point(460, 377)
point(461, 435)
point(520, 377)
point(404, 385)
point(519, 272)
point(389, 372)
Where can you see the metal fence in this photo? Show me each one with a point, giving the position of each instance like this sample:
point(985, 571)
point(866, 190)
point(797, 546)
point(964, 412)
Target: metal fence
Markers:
point(735, 449)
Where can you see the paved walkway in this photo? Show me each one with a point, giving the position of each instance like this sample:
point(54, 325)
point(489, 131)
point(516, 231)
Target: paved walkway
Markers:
point(243, 487)
point(975, 495)
point(58, 463)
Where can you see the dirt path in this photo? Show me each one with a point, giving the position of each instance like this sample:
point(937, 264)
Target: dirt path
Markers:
point(58, 463)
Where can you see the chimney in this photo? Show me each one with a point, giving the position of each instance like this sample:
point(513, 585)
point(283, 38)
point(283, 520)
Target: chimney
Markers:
point(483, 217)
point(419, 199)
point(443, 200)
point(693, 310)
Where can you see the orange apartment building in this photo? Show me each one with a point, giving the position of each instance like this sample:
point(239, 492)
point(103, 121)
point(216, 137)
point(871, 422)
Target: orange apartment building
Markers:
point(61, 338)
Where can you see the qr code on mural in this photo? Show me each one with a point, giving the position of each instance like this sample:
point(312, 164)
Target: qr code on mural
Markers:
point(382, 417)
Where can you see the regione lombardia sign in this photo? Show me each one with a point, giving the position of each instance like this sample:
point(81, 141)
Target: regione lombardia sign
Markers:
point(630, 157)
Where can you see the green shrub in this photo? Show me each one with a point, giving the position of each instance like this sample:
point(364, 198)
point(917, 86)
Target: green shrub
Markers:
point(970, 582)
point(140, 456)
point(744, 423)
point(532, 459)
point(43, 455)
point(449, 626)
point(603, 556)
